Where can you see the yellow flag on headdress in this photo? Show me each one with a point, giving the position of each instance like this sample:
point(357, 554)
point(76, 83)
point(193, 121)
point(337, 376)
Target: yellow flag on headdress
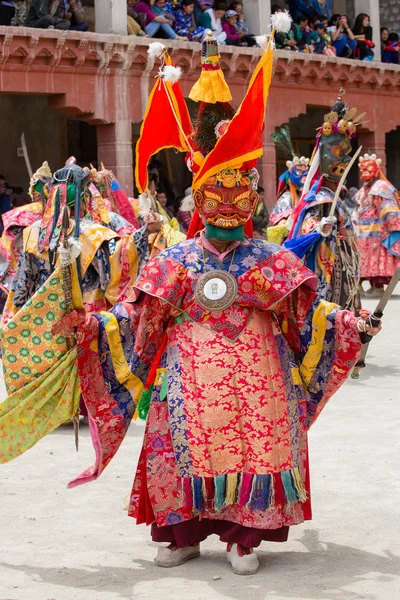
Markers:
point(243, 140)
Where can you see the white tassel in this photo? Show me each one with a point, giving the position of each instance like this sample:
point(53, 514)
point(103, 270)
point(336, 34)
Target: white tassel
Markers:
point(156, 50)
point(262, 41)
point(67, 255)
point(144, 205)
point(75, 247)
point(171, 73)
point(281, 21)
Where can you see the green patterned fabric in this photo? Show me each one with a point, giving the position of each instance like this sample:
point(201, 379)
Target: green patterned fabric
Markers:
point(39, 407)
point(40, 373)
point(29, 349)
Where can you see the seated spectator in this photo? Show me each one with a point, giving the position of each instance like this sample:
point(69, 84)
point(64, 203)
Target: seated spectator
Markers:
point(48, 14)
point(21, 11)
point(289, 40)
point(390, 47)
point(241, 24)
point(156, 19)
point(133, 24)
point(200, 7)
point(185, 24)
point(233, 36)
point(316, 39)
point(299, 27)
point(362, 31)
point(342, 36)
point(212, 19)
point(78, 22)
point(7, 11)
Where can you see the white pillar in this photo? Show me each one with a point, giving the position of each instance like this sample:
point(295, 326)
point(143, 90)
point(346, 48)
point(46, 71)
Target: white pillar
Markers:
point(258, 15)
point(111, 16)
point(371, 8)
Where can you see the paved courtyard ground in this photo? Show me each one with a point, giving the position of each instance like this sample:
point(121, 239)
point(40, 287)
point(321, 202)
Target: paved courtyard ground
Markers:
point(59, 544)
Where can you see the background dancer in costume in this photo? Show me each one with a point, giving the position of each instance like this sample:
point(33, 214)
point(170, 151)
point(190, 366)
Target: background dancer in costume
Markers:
point(328, 243)
point(378, 226)
point(110, 260)
point(290, 187)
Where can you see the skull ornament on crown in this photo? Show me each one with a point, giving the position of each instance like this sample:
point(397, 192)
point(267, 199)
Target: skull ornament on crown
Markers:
point(335, 135)
point(370, 167)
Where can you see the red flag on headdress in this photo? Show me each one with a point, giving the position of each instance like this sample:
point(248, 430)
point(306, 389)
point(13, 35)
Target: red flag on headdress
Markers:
point(166, 124)
point(234, 147)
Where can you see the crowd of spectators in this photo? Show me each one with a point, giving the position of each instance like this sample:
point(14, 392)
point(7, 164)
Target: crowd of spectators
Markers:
point(189, 19)
point(314, 28)
point(44, 14)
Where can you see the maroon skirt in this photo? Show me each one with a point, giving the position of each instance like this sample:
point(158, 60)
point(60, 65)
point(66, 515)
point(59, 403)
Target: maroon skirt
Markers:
point(196, 530)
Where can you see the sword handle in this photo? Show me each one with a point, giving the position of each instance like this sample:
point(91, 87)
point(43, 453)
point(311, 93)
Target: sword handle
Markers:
point(375, 319)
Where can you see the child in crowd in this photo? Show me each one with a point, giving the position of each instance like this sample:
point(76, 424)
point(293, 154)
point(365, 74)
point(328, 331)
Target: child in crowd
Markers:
point(390, 47)
point(315, 39)
point(241, 24)
point(185, 24)
point(233, 36)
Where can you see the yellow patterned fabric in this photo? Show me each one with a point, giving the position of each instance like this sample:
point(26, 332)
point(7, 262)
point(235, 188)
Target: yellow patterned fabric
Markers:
point(277, 234)
point(316, 346)
point(122, 370)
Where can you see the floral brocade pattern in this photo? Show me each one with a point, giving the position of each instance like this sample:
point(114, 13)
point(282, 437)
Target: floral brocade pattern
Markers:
point(29, 348)
point(264, 272)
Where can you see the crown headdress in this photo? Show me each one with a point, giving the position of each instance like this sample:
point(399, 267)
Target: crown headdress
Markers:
point(372, 157)
point(303, 161)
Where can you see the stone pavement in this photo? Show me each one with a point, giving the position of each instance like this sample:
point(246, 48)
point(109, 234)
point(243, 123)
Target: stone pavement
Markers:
point(59, 544)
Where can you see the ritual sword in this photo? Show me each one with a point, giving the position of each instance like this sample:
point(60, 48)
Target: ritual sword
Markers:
point(69, 305)
point(341, 182)
point(375, 320)
point(26, 157)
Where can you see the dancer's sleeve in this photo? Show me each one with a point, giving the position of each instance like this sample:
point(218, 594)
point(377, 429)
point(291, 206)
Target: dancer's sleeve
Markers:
point(115, 352)
point(325, 342)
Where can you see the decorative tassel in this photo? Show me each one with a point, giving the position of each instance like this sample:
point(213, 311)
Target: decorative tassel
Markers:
point(187, 492)
point(279, 492)
point(281, 21)
point(253, 487)
point(299, 485)
point(245, 489)
point(220, 485)
point(197, 494)
point(231, 488)
point(260, 496)
point(144, 403)
point(209, 485)
point(171, 74)
point(262, 41)
point(156, 50)
point(290, 490)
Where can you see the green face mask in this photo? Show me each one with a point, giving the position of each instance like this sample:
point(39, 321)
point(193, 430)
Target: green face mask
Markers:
point(225, 235)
